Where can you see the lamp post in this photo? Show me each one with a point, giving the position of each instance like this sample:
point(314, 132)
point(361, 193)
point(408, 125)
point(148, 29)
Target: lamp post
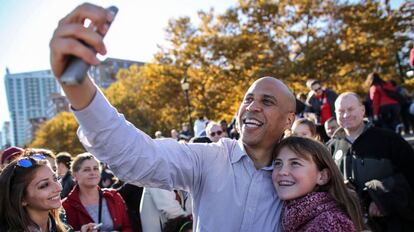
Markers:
point(186, 86)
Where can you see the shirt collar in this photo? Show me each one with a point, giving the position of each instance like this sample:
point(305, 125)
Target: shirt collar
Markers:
point(240, 152)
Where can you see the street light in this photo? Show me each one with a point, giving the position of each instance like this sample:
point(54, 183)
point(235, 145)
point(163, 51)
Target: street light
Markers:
point(186, 86)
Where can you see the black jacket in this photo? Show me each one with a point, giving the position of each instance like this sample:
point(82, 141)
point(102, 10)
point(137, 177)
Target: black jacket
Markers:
point(376, 143)
point(67, 184)
point(378, 163)
point(314, 105)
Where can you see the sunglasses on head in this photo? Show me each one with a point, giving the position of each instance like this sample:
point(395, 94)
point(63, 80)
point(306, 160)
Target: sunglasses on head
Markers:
point(27, 162)
point(214, 133)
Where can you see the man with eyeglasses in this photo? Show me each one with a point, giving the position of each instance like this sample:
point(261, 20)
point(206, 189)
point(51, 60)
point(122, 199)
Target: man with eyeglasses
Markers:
point(230, 181)
point(321, 102)
point(214, 131)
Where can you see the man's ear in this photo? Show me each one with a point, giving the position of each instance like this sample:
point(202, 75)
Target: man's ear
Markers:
point(290, 120)
point(363, 109)
point(323, 178)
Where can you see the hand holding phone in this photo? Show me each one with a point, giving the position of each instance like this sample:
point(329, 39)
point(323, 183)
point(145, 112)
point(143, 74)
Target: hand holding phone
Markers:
point(97, 226)
point(91, 227)
point(76, 70)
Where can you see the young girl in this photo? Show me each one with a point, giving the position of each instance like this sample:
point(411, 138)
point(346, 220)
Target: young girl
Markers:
point(30, 195)
point(304, 127)
point(308, 180)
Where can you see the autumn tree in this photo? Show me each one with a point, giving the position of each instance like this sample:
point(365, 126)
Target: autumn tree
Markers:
point(337, 42)
point(150, 97)
point(370, 36)
point(59, 134)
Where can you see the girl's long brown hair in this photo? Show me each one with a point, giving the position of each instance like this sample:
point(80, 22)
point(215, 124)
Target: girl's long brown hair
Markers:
point(312, 149)
point(14, 181)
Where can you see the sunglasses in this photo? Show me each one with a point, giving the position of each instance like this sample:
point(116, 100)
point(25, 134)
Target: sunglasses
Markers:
point(317, 89)
point(27, 162)
point(214, 133)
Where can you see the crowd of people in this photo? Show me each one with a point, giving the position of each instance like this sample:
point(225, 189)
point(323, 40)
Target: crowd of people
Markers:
point(316, 162)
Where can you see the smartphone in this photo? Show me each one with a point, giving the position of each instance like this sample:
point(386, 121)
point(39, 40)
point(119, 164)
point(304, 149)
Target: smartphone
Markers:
point(76, 71)
point(97, 226)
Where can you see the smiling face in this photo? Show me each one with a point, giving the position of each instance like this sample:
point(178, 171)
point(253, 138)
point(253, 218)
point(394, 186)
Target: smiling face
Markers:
point(266, 112)
point(295, 176)
point(89, 173)
point(43, 192)
point(317, 89)
point(349, 112)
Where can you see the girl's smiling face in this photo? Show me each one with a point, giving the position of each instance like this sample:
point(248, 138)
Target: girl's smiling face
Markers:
point(295, 176)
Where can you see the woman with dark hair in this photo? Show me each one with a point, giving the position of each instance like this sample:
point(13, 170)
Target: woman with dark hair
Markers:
point(88, 203)
point(386, 110)
point(30, 195)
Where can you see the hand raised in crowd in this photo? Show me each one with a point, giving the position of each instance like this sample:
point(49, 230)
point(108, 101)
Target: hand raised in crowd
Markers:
point(66, 40)
point(70, 39)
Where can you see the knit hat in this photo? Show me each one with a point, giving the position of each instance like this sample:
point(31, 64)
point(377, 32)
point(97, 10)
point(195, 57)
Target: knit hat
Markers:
point(10, 153)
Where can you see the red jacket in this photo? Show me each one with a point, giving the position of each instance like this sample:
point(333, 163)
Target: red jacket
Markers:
point(379, 97)
point(77, 215)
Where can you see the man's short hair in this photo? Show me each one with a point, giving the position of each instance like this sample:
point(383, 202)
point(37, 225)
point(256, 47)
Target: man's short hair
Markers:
point(312, 82)
point(158, 134)
point(347, 94)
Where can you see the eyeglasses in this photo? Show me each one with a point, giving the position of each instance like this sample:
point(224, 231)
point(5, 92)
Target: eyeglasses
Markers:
point(27, 162)
point(214, 133)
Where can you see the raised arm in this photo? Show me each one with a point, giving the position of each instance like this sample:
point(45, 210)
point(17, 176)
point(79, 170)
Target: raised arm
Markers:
point(66, 43)
point(131, 154)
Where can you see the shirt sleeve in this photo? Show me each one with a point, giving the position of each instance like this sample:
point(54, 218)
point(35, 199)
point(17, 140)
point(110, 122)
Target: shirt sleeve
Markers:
point(135, 157)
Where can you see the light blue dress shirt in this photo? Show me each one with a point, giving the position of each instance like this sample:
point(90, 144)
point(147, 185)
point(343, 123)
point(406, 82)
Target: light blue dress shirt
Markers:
point(229, 194)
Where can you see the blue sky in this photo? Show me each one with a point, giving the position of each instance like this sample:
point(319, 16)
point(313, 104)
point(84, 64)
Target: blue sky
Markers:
point(26, 27)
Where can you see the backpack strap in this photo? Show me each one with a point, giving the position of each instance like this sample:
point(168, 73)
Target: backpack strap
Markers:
point(100, 207)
